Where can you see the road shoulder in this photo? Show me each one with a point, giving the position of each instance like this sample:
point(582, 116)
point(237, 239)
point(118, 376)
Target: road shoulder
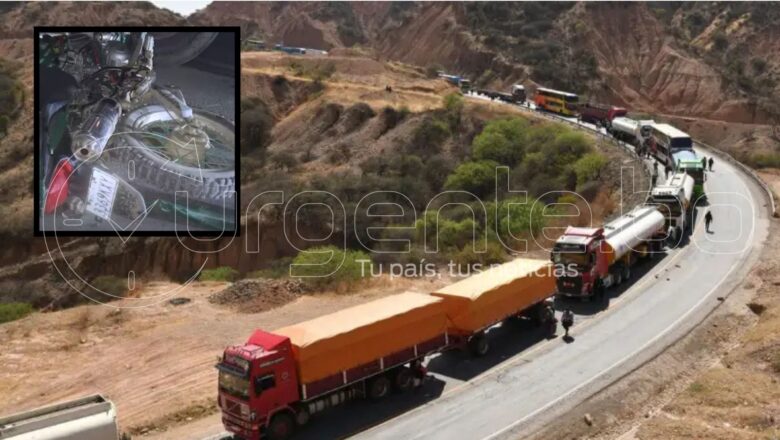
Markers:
point(642, 404)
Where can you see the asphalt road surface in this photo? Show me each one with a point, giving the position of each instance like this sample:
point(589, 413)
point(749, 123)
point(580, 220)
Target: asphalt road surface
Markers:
point(526, 380)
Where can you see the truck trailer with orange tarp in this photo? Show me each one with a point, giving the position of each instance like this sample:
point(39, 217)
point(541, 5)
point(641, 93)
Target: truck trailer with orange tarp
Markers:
point(359, 336)
point(482, 300)
point(277, 380)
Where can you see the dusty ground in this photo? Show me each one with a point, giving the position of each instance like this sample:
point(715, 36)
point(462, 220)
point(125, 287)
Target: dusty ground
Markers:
point(155, 363)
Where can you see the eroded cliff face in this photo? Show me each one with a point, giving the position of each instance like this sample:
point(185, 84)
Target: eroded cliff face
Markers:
point(648, 57)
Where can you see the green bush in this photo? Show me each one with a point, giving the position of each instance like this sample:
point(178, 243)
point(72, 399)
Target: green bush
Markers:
point(516, 219)
point(453, 104)
point(436, 170)
point(223, 273)
point(429, 136)
point(13, 311)
point(589, 167)
point(450, 235)
point(761, 160)
point(317, 72)
point(329, 266)
point(502, 141)
point(476, 177)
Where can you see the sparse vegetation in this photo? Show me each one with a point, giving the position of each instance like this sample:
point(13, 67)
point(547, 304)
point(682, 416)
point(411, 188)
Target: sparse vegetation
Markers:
point(313, 71)
point(589, 166)
point(284, 160)
point(11, 94)
point(256, 125)
point(429, 136)
point(223, 273)
point(329, 266)
point(114, 287)
point(476, 177)
point(13, 311)
point(501, 141)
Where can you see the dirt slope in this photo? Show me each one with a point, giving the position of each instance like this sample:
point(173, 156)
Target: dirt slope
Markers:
point(648, 57)
point(151, 361)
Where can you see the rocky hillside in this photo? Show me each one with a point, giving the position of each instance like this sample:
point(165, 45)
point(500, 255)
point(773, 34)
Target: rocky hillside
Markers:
point(711, 60)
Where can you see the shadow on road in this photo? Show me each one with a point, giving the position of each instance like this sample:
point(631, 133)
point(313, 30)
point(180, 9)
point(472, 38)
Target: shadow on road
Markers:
point(594, 306)
point(349, 419)
point(506, 340)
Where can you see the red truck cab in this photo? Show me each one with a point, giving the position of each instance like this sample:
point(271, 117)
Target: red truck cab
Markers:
point(258, 386)
point(580, 258)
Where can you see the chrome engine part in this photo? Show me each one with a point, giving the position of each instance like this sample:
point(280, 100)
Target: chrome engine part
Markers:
point(90, 139)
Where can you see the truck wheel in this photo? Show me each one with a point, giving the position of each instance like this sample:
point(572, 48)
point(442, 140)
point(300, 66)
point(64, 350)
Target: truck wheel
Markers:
point(402, 381)
point(302, 415)
point(378, 387)
point(478, 345)
point(281, 427)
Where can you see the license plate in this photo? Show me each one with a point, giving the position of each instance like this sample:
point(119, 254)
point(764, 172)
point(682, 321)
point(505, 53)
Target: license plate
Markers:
point(101, 194)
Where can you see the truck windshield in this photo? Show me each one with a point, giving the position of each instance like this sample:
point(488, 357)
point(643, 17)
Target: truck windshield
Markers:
point(233, 384)
point(681, 143)
point(566, 258)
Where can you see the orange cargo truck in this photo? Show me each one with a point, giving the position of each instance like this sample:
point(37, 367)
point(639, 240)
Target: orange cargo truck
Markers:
point(276, 380)
point(478, 302)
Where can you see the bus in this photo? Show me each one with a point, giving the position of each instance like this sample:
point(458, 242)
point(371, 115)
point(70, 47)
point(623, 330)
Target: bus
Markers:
point(556, 101)
point(666, 140)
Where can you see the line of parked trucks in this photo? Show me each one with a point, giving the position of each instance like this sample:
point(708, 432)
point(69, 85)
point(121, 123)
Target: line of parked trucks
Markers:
point(274, 383)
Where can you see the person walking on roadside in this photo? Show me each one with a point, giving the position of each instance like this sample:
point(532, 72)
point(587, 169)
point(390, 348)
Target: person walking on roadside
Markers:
point(704, 162)
point(711, 162)
point(707, 221)
point(567, 320)
point(667, 170)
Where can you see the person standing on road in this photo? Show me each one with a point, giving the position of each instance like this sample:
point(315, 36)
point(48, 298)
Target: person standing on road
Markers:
point(707, 221)
point(567, 319)
point(667, 170)
point(547, 316)
point(711, 162)
point(419, 373)
point(704, 162)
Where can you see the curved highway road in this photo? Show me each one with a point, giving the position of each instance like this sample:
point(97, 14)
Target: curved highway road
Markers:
point(521, 394)
point(527, 381)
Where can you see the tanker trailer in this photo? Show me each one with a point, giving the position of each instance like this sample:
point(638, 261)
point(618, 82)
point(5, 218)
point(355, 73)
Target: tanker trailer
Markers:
point(589, 260)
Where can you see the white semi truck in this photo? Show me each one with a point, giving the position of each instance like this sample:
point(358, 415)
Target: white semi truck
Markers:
point(631, 131)
point(88, 418)
point(674, 200)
